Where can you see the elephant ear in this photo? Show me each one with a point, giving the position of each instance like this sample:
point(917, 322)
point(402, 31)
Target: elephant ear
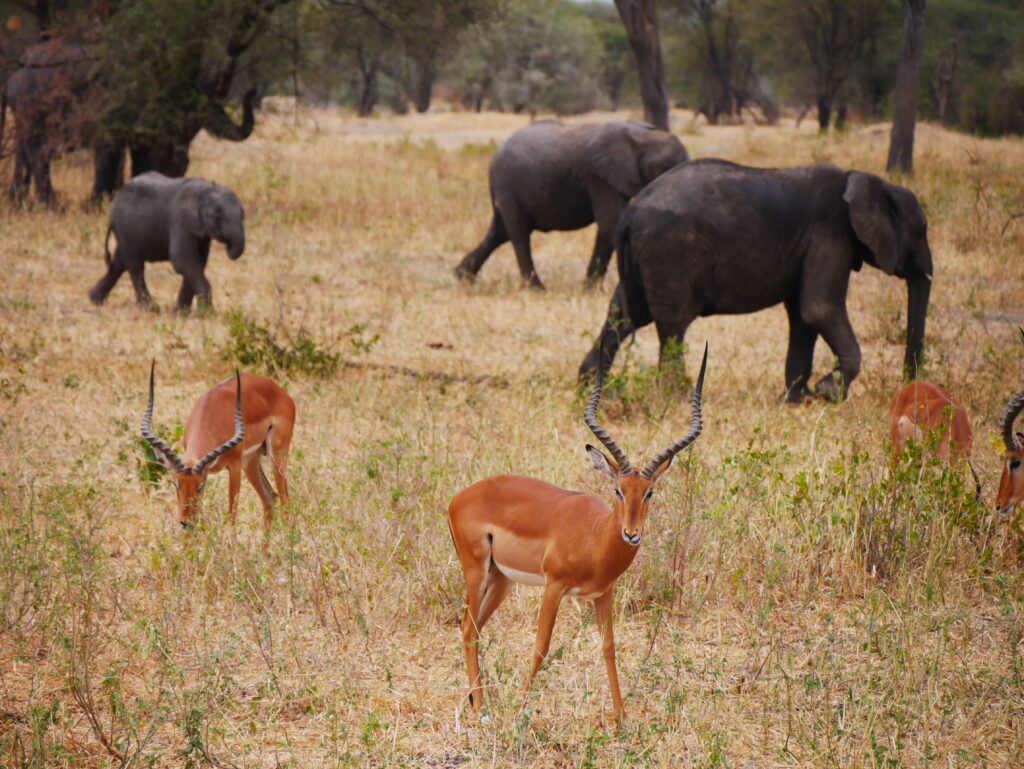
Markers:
point(194, 208)
point(873, 217)
point(612, 155)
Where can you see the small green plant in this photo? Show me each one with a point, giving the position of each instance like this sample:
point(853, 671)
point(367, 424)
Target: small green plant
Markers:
point(256, 347)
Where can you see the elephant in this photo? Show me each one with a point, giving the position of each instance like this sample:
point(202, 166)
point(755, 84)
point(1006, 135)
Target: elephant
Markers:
point(157, 218)
point(61, 101)
point(552, 176)
point(713, 237)
point(47, 95)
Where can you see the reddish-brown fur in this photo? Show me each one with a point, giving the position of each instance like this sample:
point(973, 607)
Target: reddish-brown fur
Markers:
point(575, 542)
point(920, 408)
point(266, 408)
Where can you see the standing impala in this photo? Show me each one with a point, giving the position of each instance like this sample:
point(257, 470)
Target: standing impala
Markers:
point(231, 426)
point(508, 528)
point(1011, 484)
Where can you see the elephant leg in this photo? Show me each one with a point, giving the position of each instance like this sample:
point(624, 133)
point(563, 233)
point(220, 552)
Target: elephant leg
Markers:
point(98, 294)
point(608, 207)
point(22, 178)
point(41, 177)
point(599, 260)
point(194, 283)
point(838, 334)
point(616, 328)
point(519, 230)
point(137, 271)
point(474, 260)
point(671, 333)
point(185, 296)
point(799, 356)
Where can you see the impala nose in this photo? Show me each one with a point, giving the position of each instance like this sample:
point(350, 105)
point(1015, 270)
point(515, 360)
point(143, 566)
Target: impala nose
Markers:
point(633, 539)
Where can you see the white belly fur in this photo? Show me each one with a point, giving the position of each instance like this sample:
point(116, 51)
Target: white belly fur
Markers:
point(522, 577)
point(526, 578)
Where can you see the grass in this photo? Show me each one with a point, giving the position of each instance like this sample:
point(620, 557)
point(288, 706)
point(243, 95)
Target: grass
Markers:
point(793, 603)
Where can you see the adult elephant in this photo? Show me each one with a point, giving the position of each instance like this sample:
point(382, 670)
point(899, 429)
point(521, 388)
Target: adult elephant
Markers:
point(553, 176)
point(158, 219)
point(60, 102)
point(712, 237)
point(48, 97)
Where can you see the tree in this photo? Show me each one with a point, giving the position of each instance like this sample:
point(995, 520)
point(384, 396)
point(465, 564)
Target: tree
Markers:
point(901, 142)
point(717, 59)
point(538, 55)
point(816, 45)
point(167, 67)
point(641, 23)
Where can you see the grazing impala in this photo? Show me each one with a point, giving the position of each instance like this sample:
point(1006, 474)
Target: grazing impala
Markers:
point(261, 417)
point(1011, 484)
point(508, 528)
point(920, 408)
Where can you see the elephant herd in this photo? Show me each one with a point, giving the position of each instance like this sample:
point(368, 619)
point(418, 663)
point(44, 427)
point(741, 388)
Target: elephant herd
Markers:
point(708, 237)
point(694, 238)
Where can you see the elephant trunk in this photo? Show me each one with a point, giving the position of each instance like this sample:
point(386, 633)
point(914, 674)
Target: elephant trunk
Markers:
point(235, 244)
point(919, 286)
point(220, 124)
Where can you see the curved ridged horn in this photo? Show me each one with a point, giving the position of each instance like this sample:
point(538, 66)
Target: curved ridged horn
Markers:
point(590, 417)
point(147, 420)
point(696, 424)
point(235, 439)
point(1013, 408)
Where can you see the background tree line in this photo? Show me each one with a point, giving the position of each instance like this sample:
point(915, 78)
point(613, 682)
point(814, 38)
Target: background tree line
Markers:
point(170, 67)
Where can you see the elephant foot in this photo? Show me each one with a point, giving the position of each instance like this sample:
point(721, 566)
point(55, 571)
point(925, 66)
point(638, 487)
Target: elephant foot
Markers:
point(97, 295)
point(831, 388)
point(797, 395)
point(533, 283)
point(464, 274)
point(593, 282)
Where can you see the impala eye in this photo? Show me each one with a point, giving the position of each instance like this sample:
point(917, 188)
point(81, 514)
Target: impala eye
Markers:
point(648, 494)
point(1014, 464)
point(618, 493)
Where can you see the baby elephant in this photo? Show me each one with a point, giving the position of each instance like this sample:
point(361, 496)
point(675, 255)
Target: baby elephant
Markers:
point(156, 219)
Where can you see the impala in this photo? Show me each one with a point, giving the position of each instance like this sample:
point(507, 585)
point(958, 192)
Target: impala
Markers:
point(1011, 484)
point(231, 426)
point(920, 408)
point(508, 528)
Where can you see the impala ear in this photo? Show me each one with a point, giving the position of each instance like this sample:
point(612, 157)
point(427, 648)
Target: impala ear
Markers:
point(662, 468)
point(602, 463)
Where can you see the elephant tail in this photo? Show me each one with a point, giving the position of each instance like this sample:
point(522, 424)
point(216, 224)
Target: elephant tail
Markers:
point(106, 246)
point(634, 298)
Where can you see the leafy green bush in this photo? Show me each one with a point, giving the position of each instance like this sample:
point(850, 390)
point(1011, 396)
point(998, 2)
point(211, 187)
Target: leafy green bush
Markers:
point(255, 347)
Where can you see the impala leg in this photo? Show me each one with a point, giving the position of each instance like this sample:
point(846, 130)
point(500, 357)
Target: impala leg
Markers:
point(280, 442)
point(476, 578)
point(603, 614)
point(553, 593)
point(254, 472)
point(234, 486)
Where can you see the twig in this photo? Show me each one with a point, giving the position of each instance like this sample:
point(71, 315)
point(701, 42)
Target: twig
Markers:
point(1009, 221)
point(438, 376)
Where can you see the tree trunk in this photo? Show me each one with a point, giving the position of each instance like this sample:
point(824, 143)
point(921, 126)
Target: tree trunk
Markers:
point(824, 113)
point(641, 23)
point(423, 89)
point(901, 143)
point(946, 73)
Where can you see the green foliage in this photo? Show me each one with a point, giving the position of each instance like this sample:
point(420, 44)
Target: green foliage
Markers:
point(256, 348)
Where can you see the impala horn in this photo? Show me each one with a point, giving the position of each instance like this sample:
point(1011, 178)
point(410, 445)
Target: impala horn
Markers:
point(696, 424)
point(158, 444)
point(590, 417)
point(235, 439)
point(1013, 408)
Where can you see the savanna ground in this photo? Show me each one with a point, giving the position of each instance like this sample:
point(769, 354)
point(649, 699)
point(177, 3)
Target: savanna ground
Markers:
point(793, 603)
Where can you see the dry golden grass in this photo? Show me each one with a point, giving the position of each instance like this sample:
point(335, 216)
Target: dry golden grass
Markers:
point(791, 604)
